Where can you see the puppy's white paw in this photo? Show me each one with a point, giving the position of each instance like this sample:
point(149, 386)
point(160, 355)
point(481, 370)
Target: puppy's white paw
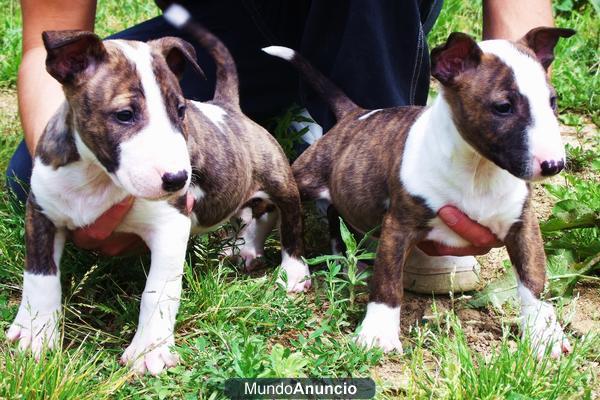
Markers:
point(297, 274)
point(34, 330)
point(539, 322)
point(250, 256)
point(247, 255)
point(386, 341)
point(381, 328)
point(36, 323)
point(150, 352)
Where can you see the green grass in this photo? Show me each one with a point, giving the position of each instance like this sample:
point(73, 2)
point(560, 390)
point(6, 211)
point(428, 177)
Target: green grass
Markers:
point(234, 325)
point(81, 373)
point(10, 41)
point(510, 371)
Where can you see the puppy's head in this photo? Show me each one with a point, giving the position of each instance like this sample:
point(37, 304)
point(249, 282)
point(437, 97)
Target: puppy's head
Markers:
point(128, 109)
point(502, 101)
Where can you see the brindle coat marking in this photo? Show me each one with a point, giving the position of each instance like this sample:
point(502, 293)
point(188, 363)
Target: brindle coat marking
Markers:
point(237, 158)
point(95, 77)
point(217, 152)
point(58, 147)
point(472, 93)
point(526, 251)
point(342, 160)
point(356, 164)
point(39, 240)
point(122, 132)
point(92, 79)
point(97, 82)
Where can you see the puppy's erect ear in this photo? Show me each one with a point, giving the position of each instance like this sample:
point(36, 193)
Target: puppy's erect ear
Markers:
point(542, 41)
point(72, 53)
point(458, 54)
point(176, 52)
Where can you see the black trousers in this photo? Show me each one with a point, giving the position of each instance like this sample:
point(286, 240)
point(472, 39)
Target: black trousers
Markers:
point(375, 50)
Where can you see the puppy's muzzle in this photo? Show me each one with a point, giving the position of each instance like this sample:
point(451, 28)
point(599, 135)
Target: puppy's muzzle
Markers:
point(172, 182)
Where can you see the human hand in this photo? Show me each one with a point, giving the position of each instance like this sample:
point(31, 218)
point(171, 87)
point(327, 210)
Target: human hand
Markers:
point(101, 235)
point(481, 238)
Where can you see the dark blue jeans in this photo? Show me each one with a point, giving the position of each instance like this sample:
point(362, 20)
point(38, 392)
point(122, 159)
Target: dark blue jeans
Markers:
point(375, 50)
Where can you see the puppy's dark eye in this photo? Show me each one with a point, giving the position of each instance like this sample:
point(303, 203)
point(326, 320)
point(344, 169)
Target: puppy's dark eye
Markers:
point(181, 111)
point(503, 108)
point(553, 102)
point(125, 116)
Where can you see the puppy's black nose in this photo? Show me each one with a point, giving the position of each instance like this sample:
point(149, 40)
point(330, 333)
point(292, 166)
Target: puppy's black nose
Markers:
point(172, 182)
point(552, 167)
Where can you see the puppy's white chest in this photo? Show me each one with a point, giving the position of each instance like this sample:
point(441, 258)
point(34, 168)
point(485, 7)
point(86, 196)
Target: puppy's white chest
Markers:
point(74, 195)
point(497, 209)
point(445, 172)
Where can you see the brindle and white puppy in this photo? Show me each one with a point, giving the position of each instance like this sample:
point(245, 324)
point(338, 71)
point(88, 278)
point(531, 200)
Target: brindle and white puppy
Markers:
point(126, 130)
point(492, 130)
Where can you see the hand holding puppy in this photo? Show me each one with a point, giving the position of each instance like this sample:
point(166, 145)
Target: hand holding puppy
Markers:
point(101, 235)
point(481, 238)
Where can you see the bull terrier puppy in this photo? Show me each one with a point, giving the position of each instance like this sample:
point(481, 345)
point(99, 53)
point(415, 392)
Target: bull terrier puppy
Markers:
point(491, 131)
point(125, 129)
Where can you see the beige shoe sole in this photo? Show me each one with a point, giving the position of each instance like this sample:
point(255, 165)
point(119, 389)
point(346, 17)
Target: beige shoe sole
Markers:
point(440, 275)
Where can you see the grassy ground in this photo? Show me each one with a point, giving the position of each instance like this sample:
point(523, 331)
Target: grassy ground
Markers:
point(234, 325)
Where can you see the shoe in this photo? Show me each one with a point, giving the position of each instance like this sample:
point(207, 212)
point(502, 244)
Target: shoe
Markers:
point(314, 132)
point(440, 275)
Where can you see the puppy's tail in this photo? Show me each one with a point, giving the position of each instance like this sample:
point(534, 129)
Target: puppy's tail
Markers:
point(340, 103)
point(226, 87)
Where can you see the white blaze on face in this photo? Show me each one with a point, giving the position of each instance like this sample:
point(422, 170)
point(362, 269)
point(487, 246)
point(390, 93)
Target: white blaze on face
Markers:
point(543, 134)
point(159, 147)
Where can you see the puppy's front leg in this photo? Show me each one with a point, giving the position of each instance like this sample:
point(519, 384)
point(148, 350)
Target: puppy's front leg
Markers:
point(381, 325)
point(287, 201)
point(167, 239)
point(526, 250)
point(36, 323)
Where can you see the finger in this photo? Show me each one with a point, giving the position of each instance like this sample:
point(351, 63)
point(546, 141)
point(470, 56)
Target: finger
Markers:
point(465, 227)
point(189, 203)
point(120, 243)
point(108, 221)
point(432, 248)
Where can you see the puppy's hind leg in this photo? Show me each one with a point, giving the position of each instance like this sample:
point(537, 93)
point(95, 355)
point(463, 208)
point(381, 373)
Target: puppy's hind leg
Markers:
point(258, 218)
point(287, 200)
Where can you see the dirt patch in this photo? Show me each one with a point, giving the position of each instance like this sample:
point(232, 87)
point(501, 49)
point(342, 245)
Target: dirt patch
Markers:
point(492, 264)
point(8, 104)
point(482, 327)
point(579, 136)
point(586, 315)
point(393, 377)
